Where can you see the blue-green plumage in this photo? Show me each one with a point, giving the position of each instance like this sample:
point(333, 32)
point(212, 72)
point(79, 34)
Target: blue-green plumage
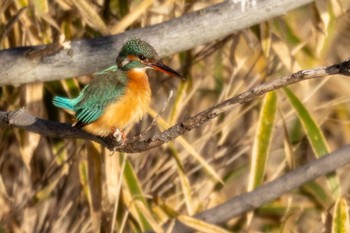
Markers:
point(66, 103)
point(105, 87)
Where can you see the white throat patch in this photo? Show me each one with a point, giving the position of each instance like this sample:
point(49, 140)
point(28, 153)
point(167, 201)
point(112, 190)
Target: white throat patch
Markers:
point(141, 69)
point(125, 62)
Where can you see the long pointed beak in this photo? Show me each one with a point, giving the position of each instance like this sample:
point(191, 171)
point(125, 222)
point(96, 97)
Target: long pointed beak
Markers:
point(166, 69)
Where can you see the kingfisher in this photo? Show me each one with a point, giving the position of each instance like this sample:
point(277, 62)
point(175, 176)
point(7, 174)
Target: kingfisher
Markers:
point(118, 96)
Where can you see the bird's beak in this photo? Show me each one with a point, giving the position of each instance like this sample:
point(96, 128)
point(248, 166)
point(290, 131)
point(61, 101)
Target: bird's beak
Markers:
point(166, 69)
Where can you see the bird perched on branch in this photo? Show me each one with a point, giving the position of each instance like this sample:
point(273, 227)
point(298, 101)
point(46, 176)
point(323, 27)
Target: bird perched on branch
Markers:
point(119, 95)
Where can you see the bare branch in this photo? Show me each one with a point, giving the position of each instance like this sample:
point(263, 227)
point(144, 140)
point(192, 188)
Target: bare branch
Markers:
point(24, 120)
point(55, 61)
point(241, 204)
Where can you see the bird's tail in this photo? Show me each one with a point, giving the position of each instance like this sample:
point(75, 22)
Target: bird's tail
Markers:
point(62, 102)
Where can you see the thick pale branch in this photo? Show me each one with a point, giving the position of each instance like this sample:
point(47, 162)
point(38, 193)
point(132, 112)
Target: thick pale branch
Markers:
point(24, 120)
point(53, 62)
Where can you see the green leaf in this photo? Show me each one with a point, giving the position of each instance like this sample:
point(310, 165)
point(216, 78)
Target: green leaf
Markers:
point(262, 140)
point(314, 135)
point(137, 201)
point(132, 182)
point(319, 194)
point(340, 223)
point(134, 187)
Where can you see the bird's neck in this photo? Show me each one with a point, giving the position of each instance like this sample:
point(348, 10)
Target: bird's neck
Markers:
point(138, 81)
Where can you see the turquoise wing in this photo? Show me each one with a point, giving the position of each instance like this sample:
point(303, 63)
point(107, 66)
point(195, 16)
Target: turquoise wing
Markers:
point(106, 87)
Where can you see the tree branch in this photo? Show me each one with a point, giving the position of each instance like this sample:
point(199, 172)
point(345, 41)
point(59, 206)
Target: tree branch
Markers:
point(22, 119)
point(55, 61)
point(243, 203)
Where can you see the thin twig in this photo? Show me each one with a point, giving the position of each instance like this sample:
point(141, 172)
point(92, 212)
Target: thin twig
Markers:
point(154, 121)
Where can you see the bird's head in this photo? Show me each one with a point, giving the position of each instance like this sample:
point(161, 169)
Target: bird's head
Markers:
point(139, 55)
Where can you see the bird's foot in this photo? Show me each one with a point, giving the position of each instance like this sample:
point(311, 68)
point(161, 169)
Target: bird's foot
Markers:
point(115, 139)
point(119, 136)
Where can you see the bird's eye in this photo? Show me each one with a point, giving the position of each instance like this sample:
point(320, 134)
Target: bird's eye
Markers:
point(142, 57)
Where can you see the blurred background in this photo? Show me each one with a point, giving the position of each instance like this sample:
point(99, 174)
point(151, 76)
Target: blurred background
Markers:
point(50, 185)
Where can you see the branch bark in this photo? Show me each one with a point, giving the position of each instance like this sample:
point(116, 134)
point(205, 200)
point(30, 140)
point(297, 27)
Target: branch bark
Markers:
point(22, 119)
point(53, 62)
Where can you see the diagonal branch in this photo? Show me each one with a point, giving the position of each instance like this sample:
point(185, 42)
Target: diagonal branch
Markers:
point(241, 204)
point(22, 119)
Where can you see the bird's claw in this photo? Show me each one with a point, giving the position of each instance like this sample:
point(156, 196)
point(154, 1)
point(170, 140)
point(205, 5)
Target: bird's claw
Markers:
point(118, 136)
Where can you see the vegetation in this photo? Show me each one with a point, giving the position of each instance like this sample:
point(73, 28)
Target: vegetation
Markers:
point(50, 185)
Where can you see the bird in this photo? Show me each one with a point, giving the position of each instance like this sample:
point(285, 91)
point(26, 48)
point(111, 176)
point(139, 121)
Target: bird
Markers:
point(119, 95)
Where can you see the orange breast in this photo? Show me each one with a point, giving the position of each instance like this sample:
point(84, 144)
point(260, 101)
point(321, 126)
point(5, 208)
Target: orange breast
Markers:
point(127, 110)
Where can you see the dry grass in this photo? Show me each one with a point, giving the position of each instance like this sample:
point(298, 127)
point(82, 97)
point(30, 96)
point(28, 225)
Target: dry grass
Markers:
point(48, 185)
